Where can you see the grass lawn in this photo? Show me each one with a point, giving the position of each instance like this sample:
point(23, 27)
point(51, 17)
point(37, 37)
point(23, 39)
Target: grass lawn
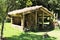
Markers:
point(11, 33)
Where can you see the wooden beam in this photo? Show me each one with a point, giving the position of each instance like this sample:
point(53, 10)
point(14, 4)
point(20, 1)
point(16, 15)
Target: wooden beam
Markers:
point(36, 17)
point(43, 20)
point(22, 20)
point(11, 20)
point(47, 12)
point(35, 20)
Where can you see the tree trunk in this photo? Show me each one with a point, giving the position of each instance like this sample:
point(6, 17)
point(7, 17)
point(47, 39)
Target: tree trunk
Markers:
point(2, 29)
point(3, 18)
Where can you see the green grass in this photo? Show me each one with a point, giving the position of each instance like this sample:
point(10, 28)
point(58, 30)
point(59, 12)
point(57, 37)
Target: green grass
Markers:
point(9, 30)
point(11, 33)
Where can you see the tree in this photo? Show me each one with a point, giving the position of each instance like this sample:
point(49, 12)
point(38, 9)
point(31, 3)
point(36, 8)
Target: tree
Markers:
point(5, 6)
point(52, 4)
point(3, 13)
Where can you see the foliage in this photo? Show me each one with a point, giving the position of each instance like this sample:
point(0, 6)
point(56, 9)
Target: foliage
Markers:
point(27, 36)
point(53, 4)
point(2, 8)
point(28, 3)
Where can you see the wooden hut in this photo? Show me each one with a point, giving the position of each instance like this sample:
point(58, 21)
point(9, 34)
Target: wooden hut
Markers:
point(31, 17)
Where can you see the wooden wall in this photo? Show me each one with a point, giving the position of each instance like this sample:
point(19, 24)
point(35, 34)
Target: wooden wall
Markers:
point(30, 20)
point(16, 20)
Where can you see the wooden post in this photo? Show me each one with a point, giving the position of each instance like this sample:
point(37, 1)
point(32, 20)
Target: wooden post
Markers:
point(35, 21)
point(22, 21)
point(36, 18)
point(43, 20)
point(54, 18)
point(11, 21)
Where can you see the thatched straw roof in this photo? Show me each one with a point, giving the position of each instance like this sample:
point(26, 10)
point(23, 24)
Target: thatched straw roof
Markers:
point(29, 9)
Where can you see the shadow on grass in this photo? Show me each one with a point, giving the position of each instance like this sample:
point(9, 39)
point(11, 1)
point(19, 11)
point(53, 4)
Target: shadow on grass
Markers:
point(27, 36)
